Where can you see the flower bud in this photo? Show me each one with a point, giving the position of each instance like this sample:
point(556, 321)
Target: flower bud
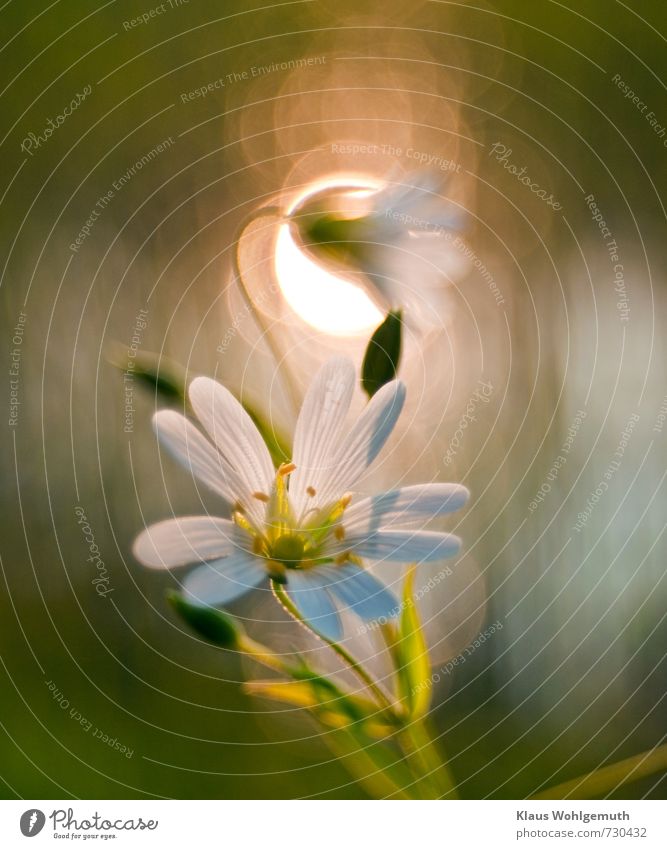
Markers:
point(216, 626)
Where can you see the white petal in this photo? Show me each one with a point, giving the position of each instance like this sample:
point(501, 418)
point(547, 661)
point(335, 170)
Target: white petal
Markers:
point(402, 195)
point(234, 433)
point(191, 448)
point(418, 204)
point(308, 591)
point(401, 506)
point(364, 441)
point(221, 581)
point(315, 438)
point(239, 442)
point(402, 546)
point(361, 592)
point(189, 539)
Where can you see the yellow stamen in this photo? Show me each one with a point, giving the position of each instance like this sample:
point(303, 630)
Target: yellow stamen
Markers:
point(311, 491)
point(261, 496)
point(242, 522)
point(339, 532)
point(345, 500)
point(286, 468)
point(278, 514)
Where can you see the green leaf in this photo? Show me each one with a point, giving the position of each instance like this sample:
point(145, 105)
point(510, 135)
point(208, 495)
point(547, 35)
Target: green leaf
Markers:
point(216, 626)
point(278, 445)
point(609, 779)
point(382, 354)
point(378, 767)
point(297, 693)
point(324, 698)
point(412, 655)
point(154, 372)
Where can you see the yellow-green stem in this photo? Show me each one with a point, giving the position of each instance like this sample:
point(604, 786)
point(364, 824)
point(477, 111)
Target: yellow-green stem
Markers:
point(433, 775)
point(357, 668)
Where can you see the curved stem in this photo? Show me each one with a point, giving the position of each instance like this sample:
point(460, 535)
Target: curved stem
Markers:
point(252, 309)
point(357, 668)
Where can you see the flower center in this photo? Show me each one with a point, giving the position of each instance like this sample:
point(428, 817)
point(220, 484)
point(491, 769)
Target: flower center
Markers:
point(288, 549)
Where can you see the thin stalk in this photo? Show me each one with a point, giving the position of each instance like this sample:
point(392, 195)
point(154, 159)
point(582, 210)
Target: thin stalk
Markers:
point(354, 664)
point(417, 742)
point(382, 777)
point(415, 739)
point(263, 326)
point(598, 783)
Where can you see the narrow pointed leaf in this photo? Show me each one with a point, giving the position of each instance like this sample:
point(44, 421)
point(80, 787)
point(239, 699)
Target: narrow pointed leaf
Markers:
point(154, 372)
point(325, 700)
point(297, 693)
point(382, 354)
point(412, 654)
point(609, 779)
point(376, 766)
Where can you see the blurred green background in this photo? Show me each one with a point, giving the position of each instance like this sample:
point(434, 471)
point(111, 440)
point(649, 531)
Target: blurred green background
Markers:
point(577, 676)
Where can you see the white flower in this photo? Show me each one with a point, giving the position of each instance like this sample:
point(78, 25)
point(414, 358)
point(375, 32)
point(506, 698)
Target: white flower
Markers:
point(399, 242)
point(298, 524)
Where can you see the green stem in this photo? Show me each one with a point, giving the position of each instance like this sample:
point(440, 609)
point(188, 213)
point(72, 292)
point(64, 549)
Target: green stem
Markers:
point(375, 769)
point(415, 740)
point(357, 668)
point(263, 326)
point(598, 783)
point(431, 773)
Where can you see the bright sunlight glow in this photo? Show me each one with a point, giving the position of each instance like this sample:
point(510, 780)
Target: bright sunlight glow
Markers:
point(326, 302)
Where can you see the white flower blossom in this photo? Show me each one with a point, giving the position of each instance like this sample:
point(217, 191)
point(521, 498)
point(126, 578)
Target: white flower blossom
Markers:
point(397, 243)
point(301, 524)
